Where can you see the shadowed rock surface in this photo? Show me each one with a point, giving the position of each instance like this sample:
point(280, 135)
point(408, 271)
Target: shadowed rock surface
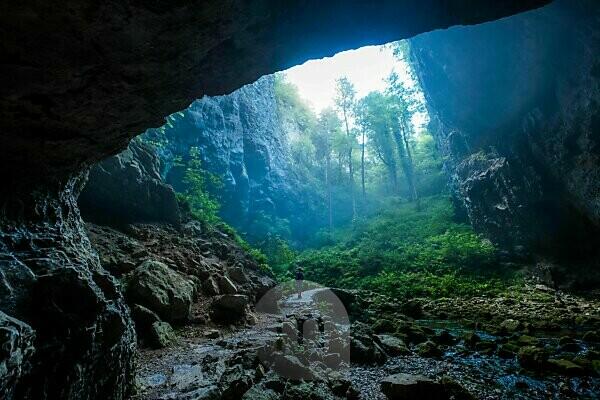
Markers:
point(127, 188)
point(514, 106)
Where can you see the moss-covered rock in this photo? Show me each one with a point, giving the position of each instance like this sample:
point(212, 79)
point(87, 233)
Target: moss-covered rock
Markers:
point(532, 358)
point(565, 367)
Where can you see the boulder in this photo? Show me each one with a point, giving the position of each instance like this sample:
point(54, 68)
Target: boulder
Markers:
point(161, 335)
point(565, 367)
point(159, 288)
point(238, 275)
point(392, 345)
point(143, 319)
point(411, 387)
point(429, 349)
point(227, 286)
point(289, 366)
point(229, 307)
point(210, 287)
point(235, 381)
point(364, 351)
point(531, 357)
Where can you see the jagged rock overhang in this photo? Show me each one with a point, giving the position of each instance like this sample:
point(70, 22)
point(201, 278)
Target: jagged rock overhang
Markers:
point(84, 77)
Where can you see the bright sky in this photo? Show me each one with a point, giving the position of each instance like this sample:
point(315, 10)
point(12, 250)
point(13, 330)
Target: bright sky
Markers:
point(366, 68)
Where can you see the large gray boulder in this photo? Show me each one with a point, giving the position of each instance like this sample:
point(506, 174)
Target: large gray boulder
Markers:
point(229, 307)
point(162, 290)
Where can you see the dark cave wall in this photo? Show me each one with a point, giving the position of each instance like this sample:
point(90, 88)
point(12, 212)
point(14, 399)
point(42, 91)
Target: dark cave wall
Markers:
point(79, 80)
point(515, 110)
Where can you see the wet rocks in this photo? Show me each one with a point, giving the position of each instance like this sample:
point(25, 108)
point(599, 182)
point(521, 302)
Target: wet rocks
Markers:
point(531, 357)
point(289, 366)
point(409, 387)
point(159, 288)
point(428, 349)
point(565, 367)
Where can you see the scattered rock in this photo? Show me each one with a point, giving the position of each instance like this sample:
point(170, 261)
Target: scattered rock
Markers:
point(210, 287)
point(565, 367)
point(161, 335)
point(226, 286)
point(159, 288)
point(392, 345)
point(289, 366)
point(531, 357)
point(428, 349)
point(229, 307)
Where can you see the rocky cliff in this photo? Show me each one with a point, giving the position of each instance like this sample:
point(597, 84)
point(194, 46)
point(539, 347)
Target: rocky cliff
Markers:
point(128, 188)
point(514, 106)
point(243, 142)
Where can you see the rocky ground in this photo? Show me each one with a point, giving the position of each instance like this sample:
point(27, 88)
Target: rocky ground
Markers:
point(211, 325)
point(390, 350)
point(179, 277)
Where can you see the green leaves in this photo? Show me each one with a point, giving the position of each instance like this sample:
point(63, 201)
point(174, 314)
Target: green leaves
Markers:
point(407, 252)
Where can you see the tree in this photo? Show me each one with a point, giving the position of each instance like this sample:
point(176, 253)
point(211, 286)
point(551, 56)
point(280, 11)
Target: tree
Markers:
point(345, 101)
point(404, 105)
point(374, 116)
point(323, 139)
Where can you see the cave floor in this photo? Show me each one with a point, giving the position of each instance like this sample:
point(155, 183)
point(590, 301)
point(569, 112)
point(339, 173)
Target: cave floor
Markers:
point(205, 361)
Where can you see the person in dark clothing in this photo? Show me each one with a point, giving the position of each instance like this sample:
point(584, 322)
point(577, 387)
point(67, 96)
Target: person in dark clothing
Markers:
point(299, 281)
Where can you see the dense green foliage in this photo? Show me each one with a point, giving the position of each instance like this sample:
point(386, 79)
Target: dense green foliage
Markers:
point(404, 251)
point(197, 180)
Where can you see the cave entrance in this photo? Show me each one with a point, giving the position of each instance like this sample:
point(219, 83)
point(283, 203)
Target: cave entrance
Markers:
point(297, 154)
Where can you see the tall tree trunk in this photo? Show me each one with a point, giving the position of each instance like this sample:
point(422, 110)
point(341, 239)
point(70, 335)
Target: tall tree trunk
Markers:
point(406, 161)
point(328, 184)
point(411, 167)
point(350, 167)
point(362, 167)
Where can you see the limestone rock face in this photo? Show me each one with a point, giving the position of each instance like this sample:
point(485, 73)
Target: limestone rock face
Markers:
point(242, 140)
point(127, 188)
point(51, 279)
point(514, 106)
point(157, 287)
point(16, 342)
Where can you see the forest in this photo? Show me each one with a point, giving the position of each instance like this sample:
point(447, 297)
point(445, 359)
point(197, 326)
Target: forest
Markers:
point(382, 215)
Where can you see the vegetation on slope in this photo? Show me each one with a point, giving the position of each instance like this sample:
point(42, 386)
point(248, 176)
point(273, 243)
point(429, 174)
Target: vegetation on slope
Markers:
point(405, 252)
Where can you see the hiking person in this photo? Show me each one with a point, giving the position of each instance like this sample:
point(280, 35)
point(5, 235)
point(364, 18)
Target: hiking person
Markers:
point(299, 281)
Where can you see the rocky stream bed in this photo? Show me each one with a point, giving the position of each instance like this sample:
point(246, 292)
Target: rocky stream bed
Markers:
point(424, 355)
